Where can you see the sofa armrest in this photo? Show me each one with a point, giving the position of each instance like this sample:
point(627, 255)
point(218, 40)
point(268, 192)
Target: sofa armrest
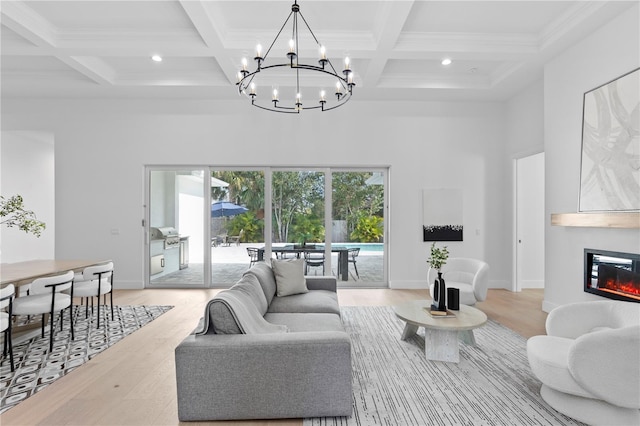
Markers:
point(260, 376)
point(575, 319)
point(327, 282)
point(606, 364)
point(481, 282)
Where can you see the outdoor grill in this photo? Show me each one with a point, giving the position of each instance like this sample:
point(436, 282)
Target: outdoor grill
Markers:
point(168, 234)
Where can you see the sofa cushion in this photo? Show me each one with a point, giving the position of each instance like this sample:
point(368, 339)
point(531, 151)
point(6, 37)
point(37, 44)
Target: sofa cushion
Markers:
point(306, 322)
point(314, 301)
point(289, 277)
point(267, 280)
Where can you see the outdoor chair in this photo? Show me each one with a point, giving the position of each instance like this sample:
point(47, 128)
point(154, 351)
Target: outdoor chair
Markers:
point(353, 255)
point(253, 255)
point(46, 297)
point(218, 240)
point(6, 302)
point(313, 260)
point(235, 238)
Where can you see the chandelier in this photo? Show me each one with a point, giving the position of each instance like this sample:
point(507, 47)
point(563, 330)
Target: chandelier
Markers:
point(291, 72)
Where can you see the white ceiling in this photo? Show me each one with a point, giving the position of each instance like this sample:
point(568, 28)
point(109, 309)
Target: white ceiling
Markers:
point(102, 49)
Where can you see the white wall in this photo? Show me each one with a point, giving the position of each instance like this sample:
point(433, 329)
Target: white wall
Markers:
point(102, 147)
point(524, 124)
point(27, 168)
point(608, 53)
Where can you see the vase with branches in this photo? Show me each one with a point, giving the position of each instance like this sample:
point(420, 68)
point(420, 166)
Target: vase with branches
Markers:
point(437, 259)
point(13, 214)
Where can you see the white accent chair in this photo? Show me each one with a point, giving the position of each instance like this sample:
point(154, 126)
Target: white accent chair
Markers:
point(470, 276)
point(46, 297)
point(95, 281)
point(589, 361)
point(6, 302)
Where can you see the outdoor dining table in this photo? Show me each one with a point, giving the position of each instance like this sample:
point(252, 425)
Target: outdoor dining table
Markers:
point(343, 255)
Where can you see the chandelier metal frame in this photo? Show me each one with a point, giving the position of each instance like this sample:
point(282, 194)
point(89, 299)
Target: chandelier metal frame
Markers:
point(343, 87)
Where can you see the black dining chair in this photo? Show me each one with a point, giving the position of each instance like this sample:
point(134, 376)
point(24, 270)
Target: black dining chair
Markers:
point(253, 255)
point(352, 256)
point(315, 260)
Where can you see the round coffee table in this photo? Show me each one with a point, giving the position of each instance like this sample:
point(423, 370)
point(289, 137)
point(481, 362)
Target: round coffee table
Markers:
point(441, 333)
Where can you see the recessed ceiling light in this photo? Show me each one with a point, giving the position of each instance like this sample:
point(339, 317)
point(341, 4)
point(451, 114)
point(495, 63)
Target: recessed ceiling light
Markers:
point(157, 58)
point(446, 61)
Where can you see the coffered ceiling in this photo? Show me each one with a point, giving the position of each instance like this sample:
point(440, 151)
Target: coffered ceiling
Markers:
point(103, 49)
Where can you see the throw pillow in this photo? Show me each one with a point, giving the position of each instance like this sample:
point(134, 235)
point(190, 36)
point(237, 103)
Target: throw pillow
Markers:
point(289, 277)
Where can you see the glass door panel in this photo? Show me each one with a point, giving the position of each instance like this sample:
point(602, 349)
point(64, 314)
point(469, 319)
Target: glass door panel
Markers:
point(298, 218)
point(358, 199)
point(176, 224)
point(237, 222)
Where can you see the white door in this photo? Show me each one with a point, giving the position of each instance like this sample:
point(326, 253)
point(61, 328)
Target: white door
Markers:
point(530, 222)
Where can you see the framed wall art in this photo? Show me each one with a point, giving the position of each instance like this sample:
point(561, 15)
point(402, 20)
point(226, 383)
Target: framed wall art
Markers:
point(610, 162)
point(442, 214)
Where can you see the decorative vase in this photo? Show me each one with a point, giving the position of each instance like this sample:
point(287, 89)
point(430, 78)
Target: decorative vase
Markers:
point(439, 294)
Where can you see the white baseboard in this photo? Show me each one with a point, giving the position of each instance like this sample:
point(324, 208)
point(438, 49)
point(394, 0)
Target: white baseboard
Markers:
point(422, 284)
point(128, 285)
point(533, 284)
point(548, 306)
point(409, 285)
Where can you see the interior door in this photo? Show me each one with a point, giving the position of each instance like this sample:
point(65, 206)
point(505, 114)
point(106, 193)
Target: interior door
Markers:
point(530, 222)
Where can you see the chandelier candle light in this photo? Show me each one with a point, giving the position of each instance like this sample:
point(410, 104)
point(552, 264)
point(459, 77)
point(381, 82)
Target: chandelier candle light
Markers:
point(249, 82)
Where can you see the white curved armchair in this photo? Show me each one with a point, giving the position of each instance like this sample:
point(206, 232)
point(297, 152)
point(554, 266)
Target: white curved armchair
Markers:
point(470, 276)
point(589, 361)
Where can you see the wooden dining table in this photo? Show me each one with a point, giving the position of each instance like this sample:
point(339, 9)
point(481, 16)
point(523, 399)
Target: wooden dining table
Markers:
point(21, 273)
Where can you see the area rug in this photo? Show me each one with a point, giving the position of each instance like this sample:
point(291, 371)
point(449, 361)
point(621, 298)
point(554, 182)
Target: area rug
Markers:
point(394, 384)
point(36, 367)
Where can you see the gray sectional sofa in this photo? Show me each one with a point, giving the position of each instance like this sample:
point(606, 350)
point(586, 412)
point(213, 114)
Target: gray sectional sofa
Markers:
point(257, 355)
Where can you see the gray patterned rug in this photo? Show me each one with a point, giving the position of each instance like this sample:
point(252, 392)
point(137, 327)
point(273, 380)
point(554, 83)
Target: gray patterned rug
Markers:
point(36, 367)
point(394, 384)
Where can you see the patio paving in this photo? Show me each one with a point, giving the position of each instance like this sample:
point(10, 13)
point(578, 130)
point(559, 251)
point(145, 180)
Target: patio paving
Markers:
point(229, 263)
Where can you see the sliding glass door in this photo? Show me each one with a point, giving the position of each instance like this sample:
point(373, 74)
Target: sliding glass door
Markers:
point(207, 225)
point(358, 226)
point(176, 228)
point(237, 222)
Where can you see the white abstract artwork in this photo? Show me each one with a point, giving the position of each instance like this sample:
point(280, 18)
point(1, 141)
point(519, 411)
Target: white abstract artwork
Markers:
point(442, 214)
point(610, 168)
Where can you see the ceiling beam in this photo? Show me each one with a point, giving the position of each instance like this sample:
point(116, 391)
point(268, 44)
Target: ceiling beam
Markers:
point(391, 19)
point(206, 26)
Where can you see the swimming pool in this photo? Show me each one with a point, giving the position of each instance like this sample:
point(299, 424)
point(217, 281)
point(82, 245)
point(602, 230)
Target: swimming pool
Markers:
point(364, 247)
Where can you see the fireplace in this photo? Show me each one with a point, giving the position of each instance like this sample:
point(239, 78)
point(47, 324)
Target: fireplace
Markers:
point(611, 274)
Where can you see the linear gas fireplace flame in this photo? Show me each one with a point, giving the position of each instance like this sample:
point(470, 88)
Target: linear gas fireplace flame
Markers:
point(614, 275)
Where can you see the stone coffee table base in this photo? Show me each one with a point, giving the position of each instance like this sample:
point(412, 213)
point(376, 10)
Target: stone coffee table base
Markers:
point(442, 335)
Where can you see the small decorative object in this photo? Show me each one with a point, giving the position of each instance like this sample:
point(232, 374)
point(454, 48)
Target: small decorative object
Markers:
point(437, 259)
point(13, 213)
point(453, 298)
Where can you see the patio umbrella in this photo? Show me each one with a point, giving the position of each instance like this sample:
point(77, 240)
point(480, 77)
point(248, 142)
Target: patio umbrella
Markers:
point(226, 208)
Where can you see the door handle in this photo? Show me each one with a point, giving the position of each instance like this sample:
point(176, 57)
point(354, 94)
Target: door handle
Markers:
point(162, 262)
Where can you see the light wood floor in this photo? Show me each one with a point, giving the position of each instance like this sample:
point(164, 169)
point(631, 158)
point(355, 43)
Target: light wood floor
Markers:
point(133, 383)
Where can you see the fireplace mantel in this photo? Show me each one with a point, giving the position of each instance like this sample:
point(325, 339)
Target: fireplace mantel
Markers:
point(597, 220)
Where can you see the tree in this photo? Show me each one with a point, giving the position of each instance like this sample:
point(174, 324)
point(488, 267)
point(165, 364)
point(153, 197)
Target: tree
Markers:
point(299, 192)
point(354, 199)
point(13, 213)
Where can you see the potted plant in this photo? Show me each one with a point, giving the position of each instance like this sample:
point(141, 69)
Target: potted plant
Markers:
point(438, 258)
